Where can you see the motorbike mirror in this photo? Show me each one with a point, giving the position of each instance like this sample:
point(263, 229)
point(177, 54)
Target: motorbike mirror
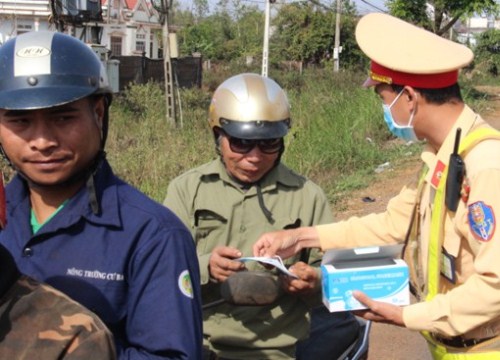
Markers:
point(251, 288)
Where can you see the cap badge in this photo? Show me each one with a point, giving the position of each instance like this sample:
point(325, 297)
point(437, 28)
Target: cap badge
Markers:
point(380, 78)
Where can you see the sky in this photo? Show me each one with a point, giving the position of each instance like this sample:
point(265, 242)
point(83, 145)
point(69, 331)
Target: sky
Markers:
point(363, 6)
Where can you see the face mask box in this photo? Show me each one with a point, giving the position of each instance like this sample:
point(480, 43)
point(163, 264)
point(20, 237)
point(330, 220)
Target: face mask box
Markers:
point(376, 271)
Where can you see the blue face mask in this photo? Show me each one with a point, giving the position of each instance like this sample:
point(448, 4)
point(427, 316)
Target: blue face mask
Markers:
point(404, 132)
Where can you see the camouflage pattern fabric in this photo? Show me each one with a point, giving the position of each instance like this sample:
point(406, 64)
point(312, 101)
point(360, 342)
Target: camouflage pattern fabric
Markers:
point(39, 322)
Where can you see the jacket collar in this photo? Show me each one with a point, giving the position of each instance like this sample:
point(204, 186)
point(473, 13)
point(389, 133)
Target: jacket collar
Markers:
point(78, 206)
point(437, 161)
point(279, 174)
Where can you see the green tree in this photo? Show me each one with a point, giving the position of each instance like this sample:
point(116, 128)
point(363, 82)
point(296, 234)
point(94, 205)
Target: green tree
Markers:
point(232, 31)
point(179, 16)
point(439, 16)
point(201, 8)
point(487, 52)
point(248, 27)
point(351, 55)
point(302, 32)
point(198, 38)
point(306, 31)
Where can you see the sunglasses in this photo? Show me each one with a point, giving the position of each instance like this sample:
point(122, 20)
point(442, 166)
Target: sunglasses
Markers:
point(244, 146)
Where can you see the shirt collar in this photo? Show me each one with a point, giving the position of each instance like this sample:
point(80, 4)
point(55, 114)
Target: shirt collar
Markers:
point(437, 161)
point(279, 174)
point(78, 206)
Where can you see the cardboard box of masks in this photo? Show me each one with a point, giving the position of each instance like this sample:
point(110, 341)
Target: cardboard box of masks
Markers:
point(376, 271)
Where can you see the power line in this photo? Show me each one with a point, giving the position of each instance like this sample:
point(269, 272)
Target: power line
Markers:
point(255, 1)
point(359, 7)
point(315, 2)
point(364, 9)
point(373, 6)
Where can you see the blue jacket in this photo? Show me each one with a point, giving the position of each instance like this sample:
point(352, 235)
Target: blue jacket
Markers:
point(134, 264)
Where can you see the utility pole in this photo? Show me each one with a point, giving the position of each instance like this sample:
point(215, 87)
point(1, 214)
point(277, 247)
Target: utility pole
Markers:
point(169, 81)
point(336, 45)
point(162, 7)
point(265, 50)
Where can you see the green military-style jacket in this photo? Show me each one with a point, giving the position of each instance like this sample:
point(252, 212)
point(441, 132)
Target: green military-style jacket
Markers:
point(218, 211)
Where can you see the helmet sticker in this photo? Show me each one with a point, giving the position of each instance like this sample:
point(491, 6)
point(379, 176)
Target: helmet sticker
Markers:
point(185, 285)
point(33, 51)
point(481, 221)
point(33, 54)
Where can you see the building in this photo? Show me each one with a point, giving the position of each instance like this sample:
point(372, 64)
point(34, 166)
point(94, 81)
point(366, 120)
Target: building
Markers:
point(468, 30)
point(132, 27)
point(128, 27)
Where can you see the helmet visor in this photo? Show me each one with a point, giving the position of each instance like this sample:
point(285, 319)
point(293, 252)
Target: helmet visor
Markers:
point(255, 130)
point(43, 91)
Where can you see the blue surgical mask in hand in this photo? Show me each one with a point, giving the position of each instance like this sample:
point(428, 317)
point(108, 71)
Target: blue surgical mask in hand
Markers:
point(404, 132)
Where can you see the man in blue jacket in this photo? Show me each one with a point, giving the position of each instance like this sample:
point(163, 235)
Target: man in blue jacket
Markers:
point(76, 226)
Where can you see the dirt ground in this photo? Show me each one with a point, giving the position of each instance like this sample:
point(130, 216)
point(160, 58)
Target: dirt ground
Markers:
point(390, 342)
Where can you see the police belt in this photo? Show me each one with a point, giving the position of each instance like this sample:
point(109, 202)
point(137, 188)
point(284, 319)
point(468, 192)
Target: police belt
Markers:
point(459, 341)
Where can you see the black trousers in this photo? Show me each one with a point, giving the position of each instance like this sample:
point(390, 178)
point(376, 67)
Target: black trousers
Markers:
point(330, 335)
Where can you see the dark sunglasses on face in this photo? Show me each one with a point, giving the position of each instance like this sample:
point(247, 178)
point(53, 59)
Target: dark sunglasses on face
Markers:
point(244, 146)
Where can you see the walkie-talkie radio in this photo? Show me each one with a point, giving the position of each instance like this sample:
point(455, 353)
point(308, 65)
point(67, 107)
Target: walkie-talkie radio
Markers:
point(456, 170)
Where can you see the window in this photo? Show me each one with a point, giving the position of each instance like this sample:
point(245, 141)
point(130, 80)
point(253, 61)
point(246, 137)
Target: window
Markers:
point(140, 43)
point(151, 44)
point(140, 46)
point(23, 28)
point(116, 45)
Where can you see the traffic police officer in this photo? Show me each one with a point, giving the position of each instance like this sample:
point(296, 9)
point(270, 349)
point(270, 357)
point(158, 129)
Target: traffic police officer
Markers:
point(448, 218)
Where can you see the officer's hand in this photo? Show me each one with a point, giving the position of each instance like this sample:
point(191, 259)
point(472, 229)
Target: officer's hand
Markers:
point(221, 263)
point(283, 243)
point(379, 311)
point(307, 282)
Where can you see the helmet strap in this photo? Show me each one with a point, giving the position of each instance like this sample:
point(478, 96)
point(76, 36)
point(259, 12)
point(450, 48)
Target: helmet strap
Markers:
point(268, 214)
point(105, 122)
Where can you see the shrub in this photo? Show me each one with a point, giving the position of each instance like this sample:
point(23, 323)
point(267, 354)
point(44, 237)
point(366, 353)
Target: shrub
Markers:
point(487, 53)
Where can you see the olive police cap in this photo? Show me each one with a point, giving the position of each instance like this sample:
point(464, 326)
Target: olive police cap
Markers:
point(404, 54)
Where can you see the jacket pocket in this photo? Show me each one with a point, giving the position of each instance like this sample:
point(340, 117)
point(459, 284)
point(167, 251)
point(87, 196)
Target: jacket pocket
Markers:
point(206, 222)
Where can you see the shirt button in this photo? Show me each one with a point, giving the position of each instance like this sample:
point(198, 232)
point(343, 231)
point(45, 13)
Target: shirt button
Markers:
point(27, 252)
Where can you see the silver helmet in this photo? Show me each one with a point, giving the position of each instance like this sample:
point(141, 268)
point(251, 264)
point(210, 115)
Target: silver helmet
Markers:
point(250, 106)
point(44, 69)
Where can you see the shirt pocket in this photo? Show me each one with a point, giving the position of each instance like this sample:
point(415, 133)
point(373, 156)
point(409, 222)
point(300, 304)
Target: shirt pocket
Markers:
point(207, 223)
point(452, 239)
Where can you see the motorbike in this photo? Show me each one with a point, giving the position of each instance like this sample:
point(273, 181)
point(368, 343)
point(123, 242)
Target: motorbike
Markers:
point(259, 288)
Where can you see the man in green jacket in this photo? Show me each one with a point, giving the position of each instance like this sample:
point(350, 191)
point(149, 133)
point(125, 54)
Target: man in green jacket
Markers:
point(229, 202)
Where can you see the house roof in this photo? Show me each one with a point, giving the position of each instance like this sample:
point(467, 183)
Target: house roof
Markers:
point(130, 3)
